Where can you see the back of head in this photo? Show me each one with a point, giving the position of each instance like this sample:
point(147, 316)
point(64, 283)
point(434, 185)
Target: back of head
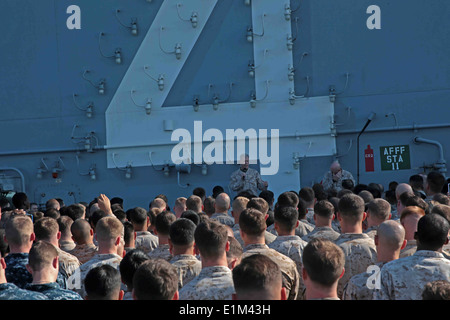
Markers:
point(52, 203)
point(286, 218)
point(210, 238)
point(259, 204)
point(208, 205)
point(217, 190)
point(432, 231)
point(191, 215)
point(323, 261)
point(117, 200)
point(252, 222)
point(20, 201)
point(18, 230)
point(418, 202)
point(351, 208)
point(102, 283)
point(128, 233)
point(194, 203)
point(75, 211)
point(222, 202)
point(46, 229)
point(130, 263)
point(155, 279)
point(442, 210)
point(80, 230)
point(181, 232)
point(64, 224)
point(96, 216)
point(405, 196)
point(108, 229)
point(416, 182)
point(138, 216)
point(379, 209)
point(287, 199)
point(257, 277)
point(435, 181)
point(200, 192)
point(52, 213)
point(436, 290)
point(391, 234)
point(324, 209)
point(412, 211)
point(302, 208)
point(239, 204)
point(235, 249)
point(41, 255)
point(307, 194)
point(159, 203)
point(401, 188)
point(267, 195)
point(366, 195)
point(319, 191)
point(441, 198)
point(163, 222)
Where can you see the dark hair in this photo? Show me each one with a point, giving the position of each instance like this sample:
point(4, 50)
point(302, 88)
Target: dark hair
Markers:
point(20, 201)
point(163, 222)
point(302, 209)
point(117, 200)
point(351, 206)
point(217, 190)
point(182, 231)
point(307, 194)
point(74, 211)
point(435, 181)
point(52, 213)
point(267, 195)
point(441, 198)
point(323, 260)
point(324, 208)
point(102, 283)
point(208, 205)
point(286, 218)
point(258, 204)
point(287, 199)
point(155, 279)
point(436, 290)
point(418, 202)
point(210, 238)
point(256, 274)
point(129, 264)
point(96, 216)
point(138, 215)
point(128, 231)
point(120, 214)
point(199, 191)
point(416, 182)
point(432, 231)
point(191, 215)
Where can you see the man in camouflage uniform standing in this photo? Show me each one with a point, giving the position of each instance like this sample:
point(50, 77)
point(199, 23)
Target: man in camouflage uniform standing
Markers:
point(405, 278)
point(247, 179)
point(215, 281)
point(145, 241)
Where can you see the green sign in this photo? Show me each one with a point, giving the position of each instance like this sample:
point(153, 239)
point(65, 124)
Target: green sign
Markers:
point(395, 158)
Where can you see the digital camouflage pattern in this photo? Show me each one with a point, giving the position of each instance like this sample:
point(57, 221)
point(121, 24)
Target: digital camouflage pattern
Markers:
point(188, 267)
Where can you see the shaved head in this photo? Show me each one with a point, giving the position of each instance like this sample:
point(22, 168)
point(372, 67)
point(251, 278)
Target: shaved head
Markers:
point(402, 188)
point(391, 234)
point(222, 202)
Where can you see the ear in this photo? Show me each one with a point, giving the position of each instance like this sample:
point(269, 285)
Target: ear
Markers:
point(3, 263)
point(304, 274)
point(196, 251)
point(405, 242)
point(283, 293)
point(32, 237)
point(4, 239)
point(121, 294)
point(339, 216)
point(91, 232)
point(176, 296)
point(390, 216)
point(234, 296)
point(364, 216)
point(265, 218)
point(342, 274)
point(55, 262)
point(170, 246)
point(376, 240)
point(27, 266)
point(333, 217)
point(117, 242)
point(133, 295)
point(297, 223)
point(227, 246)
point(58, 235)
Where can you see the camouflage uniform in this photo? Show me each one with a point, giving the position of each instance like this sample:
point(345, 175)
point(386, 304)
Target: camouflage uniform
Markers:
point(336, 226)
point(53, 291)
point(66, 245)
point(330, 185)
point(310, 216)
point(292, 247)
point(213, 283)
point(146, 241)
point(405, 278)
point(67, 263)
point(76, 282)
point(188, 267)
point(304, 227)
point(223, 218)
point(356, 288)
point(409, 250)
point(291, 278)
point(322, 233)
point(9, 291)
point(371, 232)
point(161, 251)
point(15, 271)
point(269, 237)
point(252, 182)
point(84, 252)
point(360, 252)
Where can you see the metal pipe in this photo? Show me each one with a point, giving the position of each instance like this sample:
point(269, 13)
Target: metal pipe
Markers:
point(401, 128)
point(441, 164)
point(37, 151)
point(19, 172)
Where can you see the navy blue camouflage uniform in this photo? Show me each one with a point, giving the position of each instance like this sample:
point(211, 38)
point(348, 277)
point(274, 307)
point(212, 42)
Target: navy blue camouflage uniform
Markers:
point(54, 292)
point(9, 291)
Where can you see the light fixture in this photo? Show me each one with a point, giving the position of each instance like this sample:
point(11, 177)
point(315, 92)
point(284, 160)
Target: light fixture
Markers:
point(92, 173)
point(117, 53)
point(133, 27)
point(100, 86)
point(177, 50)
point(291, 96)
point(251, 69)
point(41, 170)
point(204, 169)
point(287, 12)
point(215, 102)
point(147, 106)
point(332, 94)
point(193, 19)
point(88, 144)
point(296, 158)
point(289, 42)
point(88, 109)
point(57, 169)
point(160, 81)
point(196, 103)
point(291, 73)
point(166, 170)
point(253, 99)
point(250, 32)
point(128, 171)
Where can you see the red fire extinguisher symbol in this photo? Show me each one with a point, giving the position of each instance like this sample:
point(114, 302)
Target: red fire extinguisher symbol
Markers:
point(370, 163)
